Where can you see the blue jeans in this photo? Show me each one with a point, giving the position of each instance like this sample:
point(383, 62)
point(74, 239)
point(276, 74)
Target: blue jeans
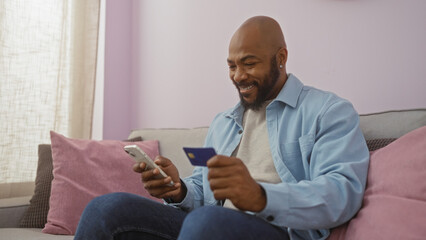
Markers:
point(128, 216)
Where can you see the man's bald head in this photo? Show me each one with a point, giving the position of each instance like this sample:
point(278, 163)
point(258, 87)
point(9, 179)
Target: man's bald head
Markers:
point(262, 31)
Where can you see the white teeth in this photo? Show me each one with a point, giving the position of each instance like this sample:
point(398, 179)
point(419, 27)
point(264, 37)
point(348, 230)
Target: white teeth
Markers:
point(247, 88)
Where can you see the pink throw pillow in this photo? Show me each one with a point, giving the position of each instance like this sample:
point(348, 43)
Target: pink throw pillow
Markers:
point(394, 205)
point(85, 169)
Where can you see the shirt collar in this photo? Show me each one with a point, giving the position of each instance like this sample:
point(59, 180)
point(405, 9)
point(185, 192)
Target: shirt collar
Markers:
point(236, 113)
point(290, 93)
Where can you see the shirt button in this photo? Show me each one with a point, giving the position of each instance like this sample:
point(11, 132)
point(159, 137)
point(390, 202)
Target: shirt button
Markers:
point(270, 218)
point(241, 131)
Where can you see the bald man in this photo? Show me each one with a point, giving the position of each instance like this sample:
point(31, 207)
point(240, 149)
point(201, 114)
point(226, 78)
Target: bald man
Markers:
point(291, 164)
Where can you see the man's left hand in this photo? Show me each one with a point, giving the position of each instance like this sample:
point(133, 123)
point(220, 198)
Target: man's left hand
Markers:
point(230, 179)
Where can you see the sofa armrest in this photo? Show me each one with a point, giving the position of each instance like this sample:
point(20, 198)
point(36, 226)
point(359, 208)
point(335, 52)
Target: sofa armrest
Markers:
point(12, 210)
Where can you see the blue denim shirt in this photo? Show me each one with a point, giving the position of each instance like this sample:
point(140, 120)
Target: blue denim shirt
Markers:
point(319, 153)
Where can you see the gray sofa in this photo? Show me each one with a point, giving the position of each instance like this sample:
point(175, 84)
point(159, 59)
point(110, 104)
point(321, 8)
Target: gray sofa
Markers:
point(15, 197)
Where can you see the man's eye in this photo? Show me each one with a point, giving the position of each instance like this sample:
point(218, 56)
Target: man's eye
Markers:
point(250, 63)
point(231, 67)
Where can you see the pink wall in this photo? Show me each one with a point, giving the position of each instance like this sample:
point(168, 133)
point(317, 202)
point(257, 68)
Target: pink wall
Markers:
point(117, 84)
point(370, 52)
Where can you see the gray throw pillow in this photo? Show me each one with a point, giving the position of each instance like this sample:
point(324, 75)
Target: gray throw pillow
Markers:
point(36, 215)
point(374, 144)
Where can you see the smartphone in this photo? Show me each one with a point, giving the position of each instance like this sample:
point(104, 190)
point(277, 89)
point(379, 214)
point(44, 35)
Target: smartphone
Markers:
point(140, 156)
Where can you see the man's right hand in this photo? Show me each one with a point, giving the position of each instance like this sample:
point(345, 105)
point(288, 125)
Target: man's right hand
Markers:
point(158, 187)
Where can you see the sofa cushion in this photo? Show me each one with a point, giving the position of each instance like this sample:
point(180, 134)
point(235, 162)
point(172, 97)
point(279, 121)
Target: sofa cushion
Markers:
point(394, 205)
point(391, 124)
point(29, 233)
point(11, 211)
point(84, 169)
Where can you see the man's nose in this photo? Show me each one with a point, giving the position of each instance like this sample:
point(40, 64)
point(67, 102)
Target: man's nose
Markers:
point(240, 75)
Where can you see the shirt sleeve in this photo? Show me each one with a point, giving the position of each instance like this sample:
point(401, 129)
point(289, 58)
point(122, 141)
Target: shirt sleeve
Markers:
point(337, 176)
point(194, 193)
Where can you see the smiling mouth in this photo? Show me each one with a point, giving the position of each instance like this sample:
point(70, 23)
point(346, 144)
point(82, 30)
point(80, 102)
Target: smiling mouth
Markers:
point(246, 89)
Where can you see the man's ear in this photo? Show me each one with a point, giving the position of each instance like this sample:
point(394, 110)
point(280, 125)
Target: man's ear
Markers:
point(282, 56)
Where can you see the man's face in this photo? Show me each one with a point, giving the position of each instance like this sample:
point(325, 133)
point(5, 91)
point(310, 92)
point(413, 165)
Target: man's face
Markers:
point(255, 77)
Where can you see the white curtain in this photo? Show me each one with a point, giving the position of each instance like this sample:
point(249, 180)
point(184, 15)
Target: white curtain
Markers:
point(47, 76)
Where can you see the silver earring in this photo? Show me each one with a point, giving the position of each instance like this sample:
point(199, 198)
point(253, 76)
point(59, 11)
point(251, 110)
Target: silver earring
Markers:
point(281, 66)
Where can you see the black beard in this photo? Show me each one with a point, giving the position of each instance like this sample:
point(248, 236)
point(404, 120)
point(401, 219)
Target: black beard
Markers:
point(263, 90)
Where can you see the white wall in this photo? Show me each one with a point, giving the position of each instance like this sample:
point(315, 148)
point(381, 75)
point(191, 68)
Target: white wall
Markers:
point(370, 52)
